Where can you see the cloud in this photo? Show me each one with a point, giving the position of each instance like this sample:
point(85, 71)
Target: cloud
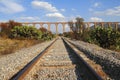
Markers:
point(29, 18)
point(52, 13)
point(55, 15)
point(44, 5)
point(97, 4)
point(7, 6)
point(62, 10)
point(96, 19)
point(109, 12)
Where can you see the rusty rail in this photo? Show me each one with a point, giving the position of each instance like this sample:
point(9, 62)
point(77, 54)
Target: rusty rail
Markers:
point(24, 71)
point(87, 66)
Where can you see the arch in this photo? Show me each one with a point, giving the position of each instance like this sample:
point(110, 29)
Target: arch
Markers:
point(45, 26)
point(91, 25)
point(37, 26)
point(30, 24)
point(25, 24)
point(67, 28)
point(113, 25)
point(53, 30)
point(118, 23)
point(60, 28)
point(63, 27)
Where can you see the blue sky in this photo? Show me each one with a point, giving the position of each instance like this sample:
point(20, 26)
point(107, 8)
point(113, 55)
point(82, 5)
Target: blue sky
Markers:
point(59, 10)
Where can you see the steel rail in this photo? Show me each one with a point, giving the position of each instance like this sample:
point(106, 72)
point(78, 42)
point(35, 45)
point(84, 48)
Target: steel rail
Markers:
point(88, 67)
point(23, 72)
point(26, 69)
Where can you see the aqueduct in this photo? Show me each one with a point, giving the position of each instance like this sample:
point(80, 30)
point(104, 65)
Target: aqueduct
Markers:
point(48, 24)
point(87, 24)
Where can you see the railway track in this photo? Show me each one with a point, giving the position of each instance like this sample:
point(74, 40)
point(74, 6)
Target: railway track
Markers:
point(59, 61)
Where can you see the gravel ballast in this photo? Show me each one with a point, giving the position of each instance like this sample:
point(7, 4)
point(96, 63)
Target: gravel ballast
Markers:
point(56, 64)
point(12, 63)
point(61, 63)
point(109, 60)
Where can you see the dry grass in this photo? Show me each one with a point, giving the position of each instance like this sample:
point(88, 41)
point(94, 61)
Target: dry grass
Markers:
point(8, 46)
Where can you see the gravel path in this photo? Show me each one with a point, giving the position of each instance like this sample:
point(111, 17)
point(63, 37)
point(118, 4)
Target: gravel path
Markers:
point(12, 63)
point(109, 60)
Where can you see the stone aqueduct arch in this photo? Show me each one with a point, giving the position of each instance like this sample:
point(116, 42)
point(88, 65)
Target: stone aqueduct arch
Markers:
point(88, 24)
point(48, 24)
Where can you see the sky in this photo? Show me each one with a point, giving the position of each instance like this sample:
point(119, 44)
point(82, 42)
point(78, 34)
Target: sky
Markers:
point(59, 10)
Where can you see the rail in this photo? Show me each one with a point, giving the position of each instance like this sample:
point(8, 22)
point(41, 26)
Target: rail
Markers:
point(23, 72)
point(88, 67)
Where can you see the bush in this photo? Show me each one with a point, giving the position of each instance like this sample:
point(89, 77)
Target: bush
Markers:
point(46, 35)
point(105, 37)
point(25, 32)
point(66, 34)
point(6, 27)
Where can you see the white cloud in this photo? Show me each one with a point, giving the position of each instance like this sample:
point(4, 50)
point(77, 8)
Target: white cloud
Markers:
point(62, 10)
point(52, 13)
point(97, 4)
point(44, 5)
point(96, 19)
point(55, 15)
point(29, 18)
point(109, 12)
point(7, 6)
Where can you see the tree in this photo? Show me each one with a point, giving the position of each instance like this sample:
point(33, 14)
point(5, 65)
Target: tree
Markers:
point(80, 25)
point(77, 27)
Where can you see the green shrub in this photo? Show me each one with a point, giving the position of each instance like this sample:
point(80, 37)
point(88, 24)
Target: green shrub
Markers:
point(118, 42)
point(66, 34)
point(26, 32)
point(105, 37)
point(46, 35)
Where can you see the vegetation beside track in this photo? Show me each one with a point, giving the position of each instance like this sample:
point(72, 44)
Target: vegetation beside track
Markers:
point(14, 36)
point(107, 37)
